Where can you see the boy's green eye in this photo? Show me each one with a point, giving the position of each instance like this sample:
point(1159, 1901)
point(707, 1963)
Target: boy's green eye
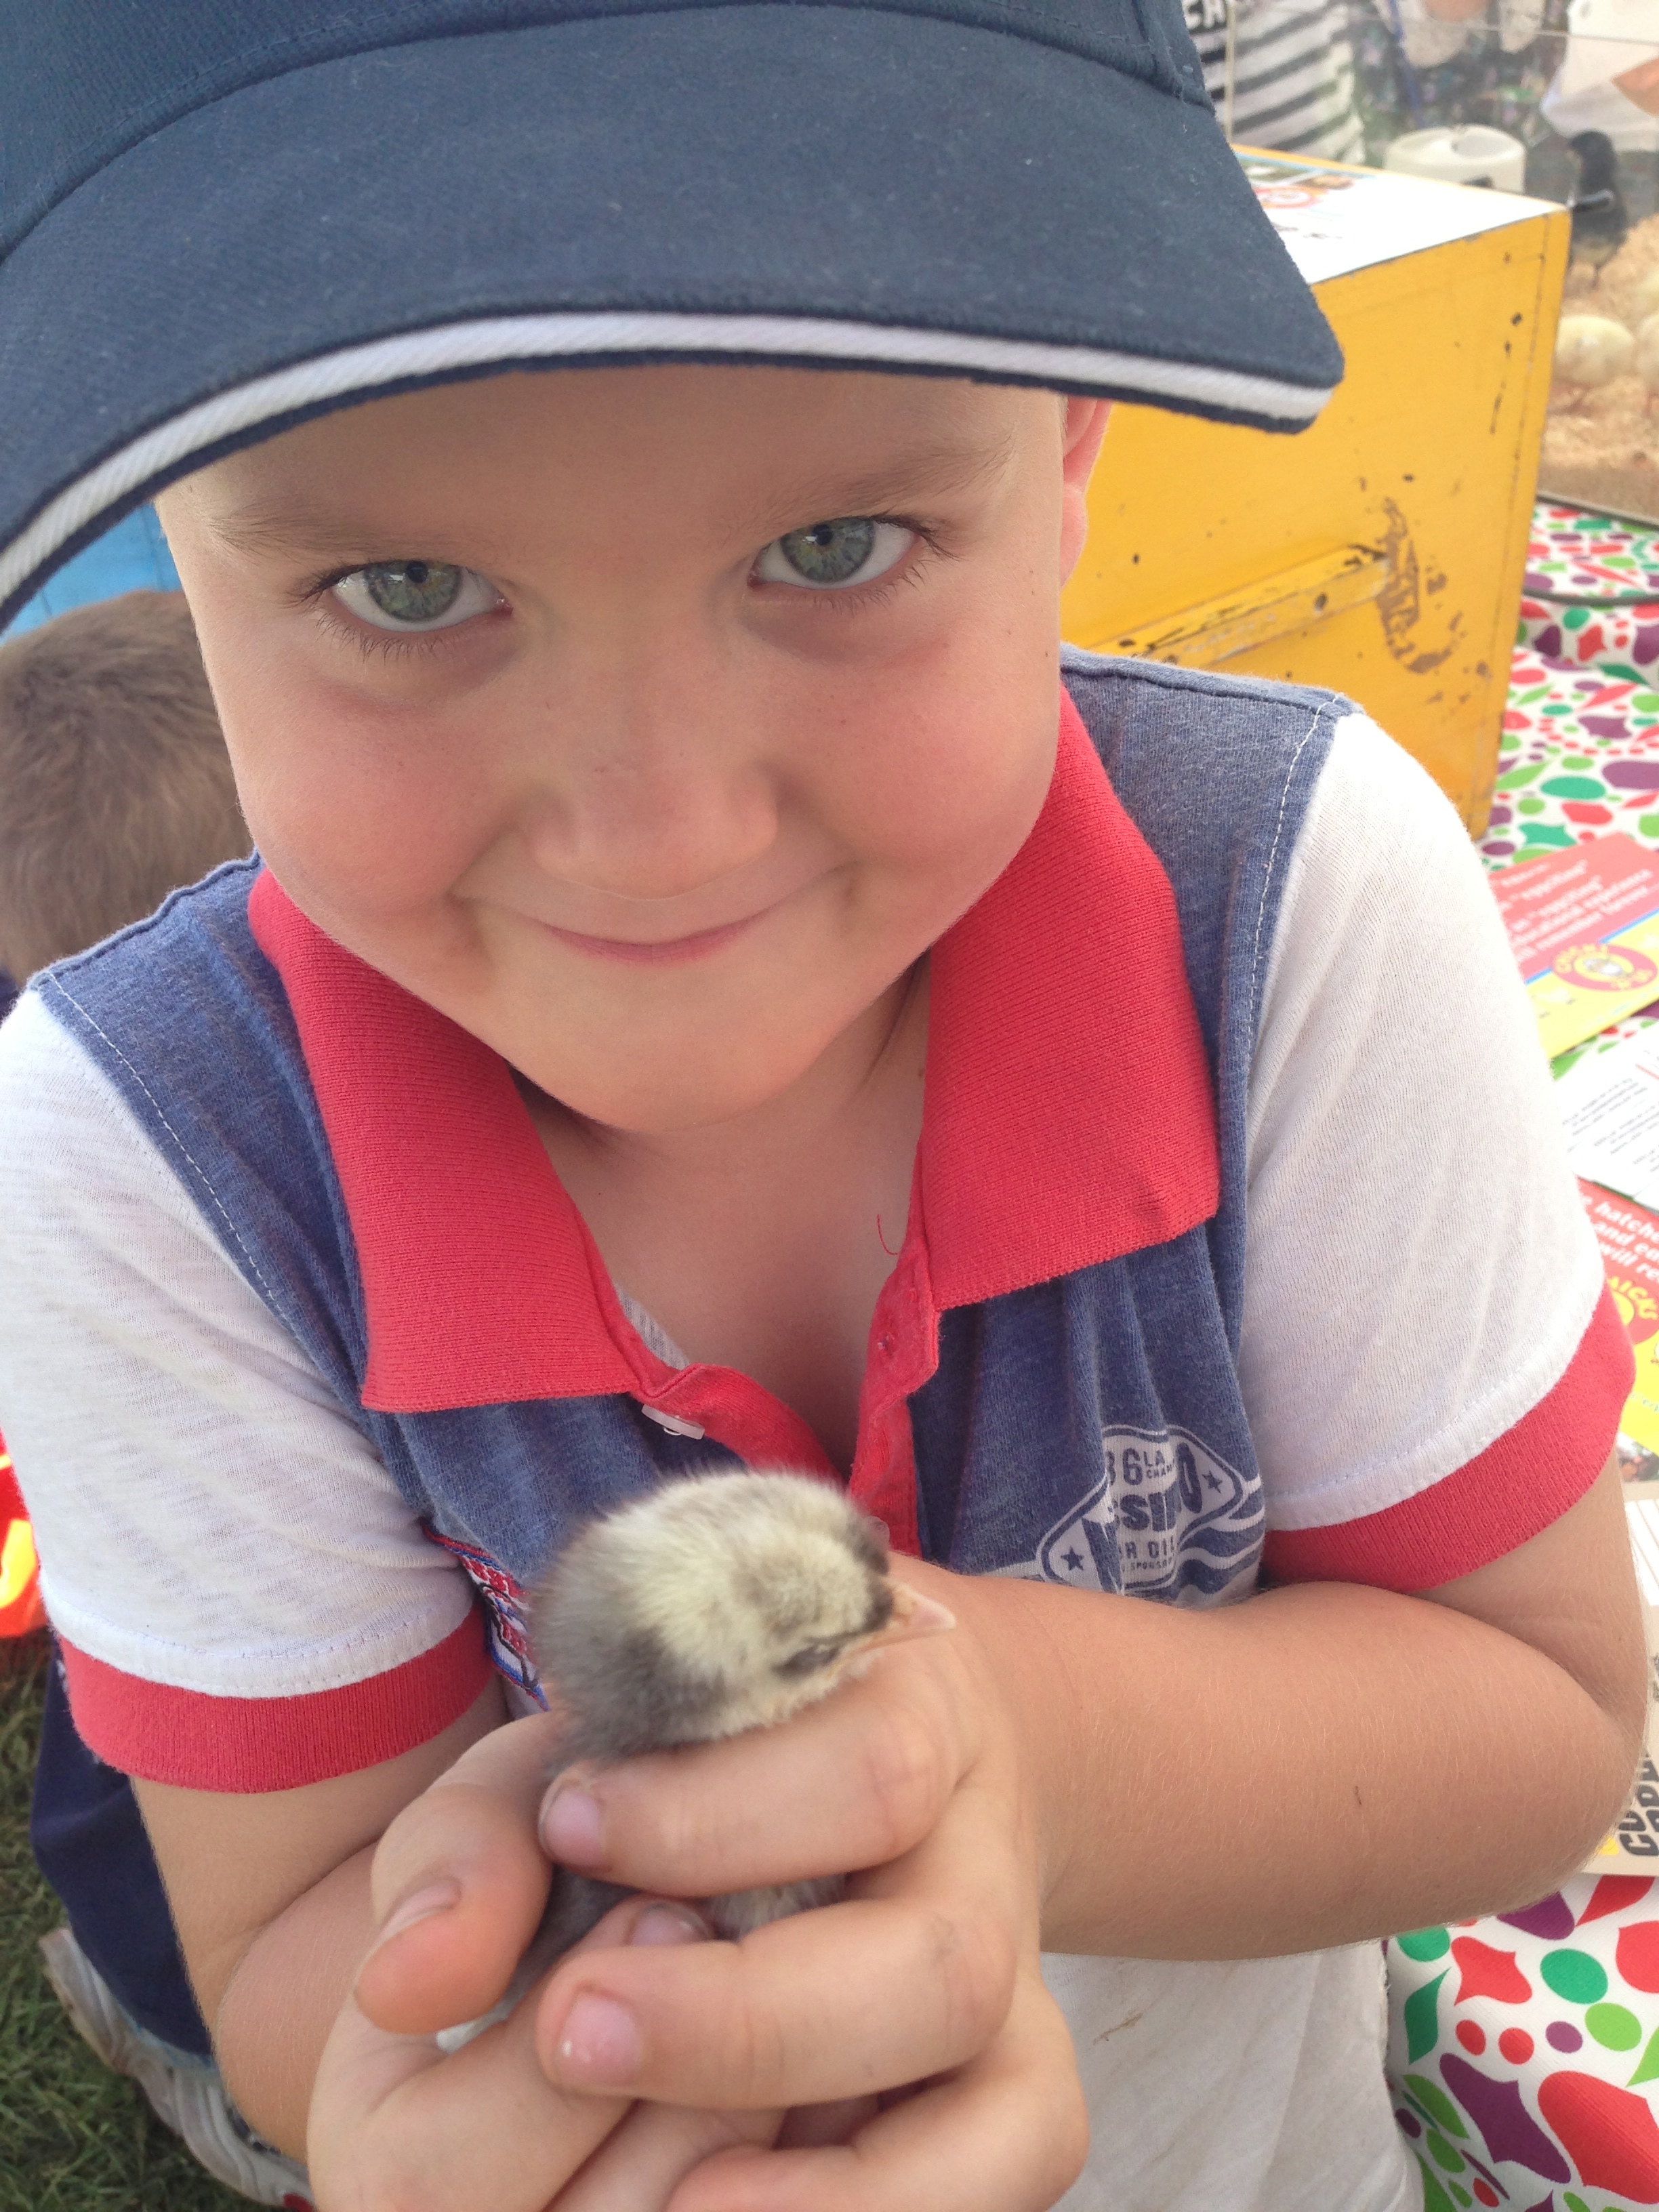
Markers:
point(853, 549)
point(416, 595)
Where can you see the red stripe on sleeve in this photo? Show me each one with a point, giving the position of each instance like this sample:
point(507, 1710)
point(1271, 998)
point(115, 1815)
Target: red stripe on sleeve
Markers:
point(255, 1744)
point(1490, 1507)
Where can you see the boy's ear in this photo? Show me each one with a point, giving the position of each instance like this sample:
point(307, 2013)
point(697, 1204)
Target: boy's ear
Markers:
point(1084, 428)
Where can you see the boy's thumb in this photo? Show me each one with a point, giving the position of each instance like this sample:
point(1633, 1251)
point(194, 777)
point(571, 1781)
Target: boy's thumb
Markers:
point(458, 1886)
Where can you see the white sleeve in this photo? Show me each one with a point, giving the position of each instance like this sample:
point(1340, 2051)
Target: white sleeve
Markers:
point(1419, 1272)
point(208, 1516)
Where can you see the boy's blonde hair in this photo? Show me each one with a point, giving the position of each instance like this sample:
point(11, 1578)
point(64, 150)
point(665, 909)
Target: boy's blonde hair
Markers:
point(115, 787)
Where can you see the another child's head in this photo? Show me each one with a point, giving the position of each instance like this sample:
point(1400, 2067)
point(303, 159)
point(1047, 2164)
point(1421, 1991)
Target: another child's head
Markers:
point(114, 783)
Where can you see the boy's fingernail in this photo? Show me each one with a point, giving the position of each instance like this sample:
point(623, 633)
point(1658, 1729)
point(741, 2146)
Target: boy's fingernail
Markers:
point(424, 1905)
point(573, 1826)
point(670, 1923)
point(600, 2044)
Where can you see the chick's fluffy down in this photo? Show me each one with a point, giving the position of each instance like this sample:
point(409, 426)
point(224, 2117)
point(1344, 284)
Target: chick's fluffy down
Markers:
point(719, 1603)
point(1591, 350)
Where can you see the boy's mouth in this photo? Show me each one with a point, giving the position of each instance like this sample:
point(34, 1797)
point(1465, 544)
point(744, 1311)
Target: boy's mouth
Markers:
point(658, 952)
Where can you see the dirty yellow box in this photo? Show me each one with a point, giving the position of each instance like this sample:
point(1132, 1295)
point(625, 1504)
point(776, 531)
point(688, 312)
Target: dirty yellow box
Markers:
point(1379, 552)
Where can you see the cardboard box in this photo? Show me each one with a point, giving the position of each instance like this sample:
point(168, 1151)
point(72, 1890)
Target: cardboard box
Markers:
point(1381, 552)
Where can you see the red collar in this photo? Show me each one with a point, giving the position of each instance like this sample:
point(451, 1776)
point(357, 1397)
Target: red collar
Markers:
point(1068, 1120)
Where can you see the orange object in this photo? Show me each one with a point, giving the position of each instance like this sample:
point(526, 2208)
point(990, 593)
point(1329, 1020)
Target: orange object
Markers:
point(20, 1609)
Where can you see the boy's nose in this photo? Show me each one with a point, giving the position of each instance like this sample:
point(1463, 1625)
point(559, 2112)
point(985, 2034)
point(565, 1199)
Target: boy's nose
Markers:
point(659, 817)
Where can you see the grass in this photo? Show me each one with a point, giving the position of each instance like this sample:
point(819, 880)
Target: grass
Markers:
point(74, 2138)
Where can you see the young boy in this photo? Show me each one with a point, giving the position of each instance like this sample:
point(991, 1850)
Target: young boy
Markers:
point(712, 995)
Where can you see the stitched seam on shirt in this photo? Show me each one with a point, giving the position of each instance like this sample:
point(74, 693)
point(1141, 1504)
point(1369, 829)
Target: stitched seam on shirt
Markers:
point(1302, 744)
point(251, 864)
point(1111, 668)
point(270, 1295)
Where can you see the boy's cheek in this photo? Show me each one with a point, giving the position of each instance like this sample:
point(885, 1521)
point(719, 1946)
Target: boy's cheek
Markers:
point(390, 805)
point(319, 819)
point(931, 754)
point(946, 777)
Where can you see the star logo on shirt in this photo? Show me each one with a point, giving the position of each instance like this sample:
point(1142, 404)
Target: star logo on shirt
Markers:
point(1169, 1518)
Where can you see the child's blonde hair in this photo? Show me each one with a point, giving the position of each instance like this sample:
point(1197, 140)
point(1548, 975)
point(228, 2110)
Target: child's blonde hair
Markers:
point(115, 787)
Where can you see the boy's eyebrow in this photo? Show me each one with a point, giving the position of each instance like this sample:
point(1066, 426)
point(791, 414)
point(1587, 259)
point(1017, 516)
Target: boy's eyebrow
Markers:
point(278, 527)
point(944, 466)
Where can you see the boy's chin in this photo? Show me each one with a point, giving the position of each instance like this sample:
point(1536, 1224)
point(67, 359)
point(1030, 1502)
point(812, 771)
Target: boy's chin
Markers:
point(654, 1100)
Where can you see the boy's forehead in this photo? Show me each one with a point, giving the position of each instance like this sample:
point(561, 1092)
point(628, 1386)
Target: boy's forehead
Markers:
point(738, 441)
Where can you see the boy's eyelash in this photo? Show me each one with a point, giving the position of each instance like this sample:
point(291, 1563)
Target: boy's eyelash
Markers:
point(372, 644)
point(384, 644)
point(860, 598)
point(857, 599)
point(392, 645)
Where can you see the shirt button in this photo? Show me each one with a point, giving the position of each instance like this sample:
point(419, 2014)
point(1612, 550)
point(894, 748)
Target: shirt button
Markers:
point(670, 1422)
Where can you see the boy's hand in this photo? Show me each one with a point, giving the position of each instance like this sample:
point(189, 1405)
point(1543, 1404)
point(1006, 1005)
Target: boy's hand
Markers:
point(923, 1988)
point(394, 2121)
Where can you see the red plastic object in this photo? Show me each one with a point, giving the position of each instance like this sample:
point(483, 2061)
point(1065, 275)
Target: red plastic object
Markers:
point(20, 1609)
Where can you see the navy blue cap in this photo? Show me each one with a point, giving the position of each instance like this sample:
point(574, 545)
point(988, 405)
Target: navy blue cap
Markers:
point(219, 217)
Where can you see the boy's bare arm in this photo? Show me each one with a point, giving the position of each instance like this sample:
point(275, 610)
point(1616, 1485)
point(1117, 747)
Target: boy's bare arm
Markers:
point(274, 1898)
point(1339, 1736)
point(271, 1896)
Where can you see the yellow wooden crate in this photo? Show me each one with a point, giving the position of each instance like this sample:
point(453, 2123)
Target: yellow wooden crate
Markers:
point(1379, 552)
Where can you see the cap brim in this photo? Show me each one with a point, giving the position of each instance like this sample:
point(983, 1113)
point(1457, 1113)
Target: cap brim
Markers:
point(809, 185)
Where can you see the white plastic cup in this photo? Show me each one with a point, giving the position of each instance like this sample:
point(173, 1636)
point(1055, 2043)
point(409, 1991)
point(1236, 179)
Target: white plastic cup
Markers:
point(1471, 155)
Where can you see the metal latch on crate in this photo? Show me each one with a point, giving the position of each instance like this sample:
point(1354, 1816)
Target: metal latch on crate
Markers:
point(1216, 630)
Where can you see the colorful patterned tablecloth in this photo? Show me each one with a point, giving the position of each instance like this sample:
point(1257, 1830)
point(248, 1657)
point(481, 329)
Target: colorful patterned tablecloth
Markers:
point(1524, 2050)
point(1581, 736)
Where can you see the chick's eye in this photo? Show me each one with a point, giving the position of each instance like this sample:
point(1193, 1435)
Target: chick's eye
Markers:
point(830, 555)
point(416, 595)
point(811, 1658)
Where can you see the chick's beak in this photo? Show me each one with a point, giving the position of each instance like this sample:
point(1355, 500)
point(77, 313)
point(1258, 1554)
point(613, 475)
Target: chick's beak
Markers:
point(914, 1615)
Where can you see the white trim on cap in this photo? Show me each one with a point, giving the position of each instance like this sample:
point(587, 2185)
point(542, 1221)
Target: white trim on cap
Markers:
point(412, 354)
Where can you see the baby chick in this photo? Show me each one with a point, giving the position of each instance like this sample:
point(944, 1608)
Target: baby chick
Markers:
point(1647, 355)
point(1600, 219)
point(722, 1604)
point(1591, 350)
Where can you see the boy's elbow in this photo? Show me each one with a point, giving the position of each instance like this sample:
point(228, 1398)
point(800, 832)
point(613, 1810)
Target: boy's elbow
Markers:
point(1569, 1596)
point(1596, 1815)
point(1629, 1717)
point(1619, 1686)
point(1624, 1709)
point(1612, 1749)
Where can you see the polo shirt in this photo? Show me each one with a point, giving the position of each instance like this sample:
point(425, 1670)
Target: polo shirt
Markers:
point(1242, 1242)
